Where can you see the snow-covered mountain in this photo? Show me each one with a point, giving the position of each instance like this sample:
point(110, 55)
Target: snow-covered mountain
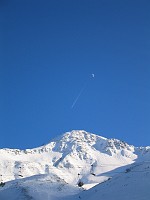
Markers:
point(76, 156)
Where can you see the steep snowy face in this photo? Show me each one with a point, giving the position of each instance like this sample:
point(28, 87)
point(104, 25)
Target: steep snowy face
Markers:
point(90, 147)
point(72, 156)
point(79, 144)
point(77, 140)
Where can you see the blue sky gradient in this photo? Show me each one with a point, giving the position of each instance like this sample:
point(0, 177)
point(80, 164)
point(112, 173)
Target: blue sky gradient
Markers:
point(48, 51)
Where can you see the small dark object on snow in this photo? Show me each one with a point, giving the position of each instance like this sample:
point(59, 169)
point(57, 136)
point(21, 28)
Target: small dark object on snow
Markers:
point(80, 184)
point(127, 170)
point(2, 184)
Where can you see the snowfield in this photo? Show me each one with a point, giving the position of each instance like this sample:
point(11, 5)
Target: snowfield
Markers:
point(134, 184)
point(38, 187)
point(108, 168)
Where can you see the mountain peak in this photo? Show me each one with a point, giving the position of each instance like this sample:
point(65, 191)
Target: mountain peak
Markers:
point(79, 135)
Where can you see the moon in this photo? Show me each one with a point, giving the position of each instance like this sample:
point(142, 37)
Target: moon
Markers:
point(93, 75)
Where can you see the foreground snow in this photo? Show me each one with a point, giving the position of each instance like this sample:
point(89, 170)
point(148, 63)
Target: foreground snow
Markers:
point(135, 185)
point(38, 187)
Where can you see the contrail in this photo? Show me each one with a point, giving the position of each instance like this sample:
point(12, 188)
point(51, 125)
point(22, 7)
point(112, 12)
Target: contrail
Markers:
point(83, 88)
point(76, 99)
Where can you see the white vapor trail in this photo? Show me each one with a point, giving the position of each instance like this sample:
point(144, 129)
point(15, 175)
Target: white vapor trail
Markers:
point(81, 91)
point(76, 99)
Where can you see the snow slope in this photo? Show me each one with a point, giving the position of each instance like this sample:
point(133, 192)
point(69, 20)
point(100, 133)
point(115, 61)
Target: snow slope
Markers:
point(134, 184)
point(38, 187)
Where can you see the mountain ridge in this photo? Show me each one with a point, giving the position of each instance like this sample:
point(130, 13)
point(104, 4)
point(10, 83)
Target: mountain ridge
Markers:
point(54, 170)
point(70, 153)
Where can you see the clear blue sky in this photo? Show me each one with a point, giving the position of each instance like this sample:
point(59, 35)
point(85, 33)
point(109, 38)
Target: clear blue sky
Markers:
point(48, 51)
